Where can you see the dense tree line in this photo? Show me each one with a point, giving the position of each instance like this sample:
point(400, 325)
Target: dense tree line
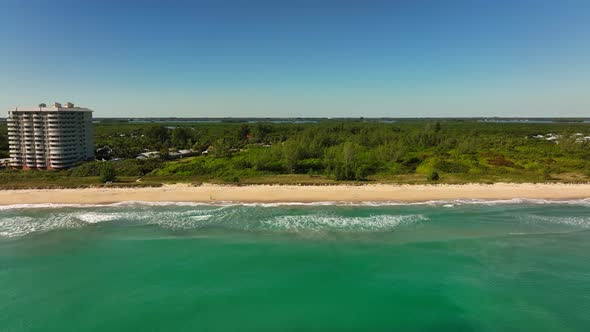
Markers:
point(347, 150)
point(359, 150)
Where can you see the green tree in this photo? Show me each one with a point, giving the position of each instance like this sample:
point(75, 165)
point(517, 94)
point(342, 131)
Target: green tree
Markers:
point(180, 137)
point(292, 155)
point(157, 134)
point(164, 153)
point(107, 173)
point(243, 133)
point(221, 148)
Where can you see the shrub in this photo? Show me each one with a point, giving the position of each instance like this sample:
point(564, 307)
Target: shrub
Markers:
point(309, 165)
point(107, 173)
point(86, 169)
point(451, 167)
point(361, 173)
point(231, 178)
point(433, 176)
point(500, 160)
point(411, 164)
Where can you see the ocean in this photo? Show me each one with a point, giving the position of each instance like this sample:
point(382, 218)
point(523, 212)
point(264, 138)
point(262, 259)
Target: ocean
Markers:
point(515, 265)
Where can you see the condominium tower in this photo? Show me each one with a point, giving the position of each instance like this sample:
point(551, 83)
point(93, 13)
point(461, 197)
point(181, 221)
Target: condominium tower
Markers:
point(50, 137)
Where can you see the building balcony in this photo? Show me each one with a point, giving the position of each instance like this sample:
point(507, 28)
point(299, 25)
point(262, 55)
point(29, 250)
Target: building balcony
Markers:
point(65, 155)
point(64, 159)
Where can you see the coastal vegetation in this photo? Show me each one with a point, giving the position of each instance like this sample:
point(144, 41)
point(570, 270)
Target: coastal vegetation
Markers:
point(326, 152)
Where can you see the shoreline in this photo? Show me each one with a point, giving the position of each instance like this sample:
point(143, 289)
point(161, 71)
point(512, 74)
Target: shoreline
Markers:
point(209, 193)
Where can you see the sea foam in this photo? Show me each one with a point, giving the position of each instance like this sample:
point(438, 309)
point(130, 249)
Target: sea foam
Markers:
point(444, 203)
point(18, 220)
point(323, 223)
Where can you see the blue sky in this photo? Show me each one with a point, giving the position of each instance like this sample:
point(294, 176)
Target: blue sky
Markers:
point(420, 58)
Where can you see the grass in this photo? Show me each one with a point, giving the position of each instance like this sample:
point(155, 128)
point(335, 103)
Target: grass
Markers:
point(66, 182)
point(61, 181)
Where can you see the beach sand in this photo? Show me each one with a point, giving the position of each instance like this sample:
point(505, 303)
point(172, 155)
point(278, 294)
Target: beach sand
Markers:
point(208, 193)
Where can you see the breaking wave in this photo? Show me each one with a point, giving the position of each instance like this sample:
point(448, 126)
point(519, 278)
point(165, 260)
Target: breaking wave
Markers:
point(35, 221)
point(19, 222)
point(575, 221)
point(323, 223)
point(443, 203)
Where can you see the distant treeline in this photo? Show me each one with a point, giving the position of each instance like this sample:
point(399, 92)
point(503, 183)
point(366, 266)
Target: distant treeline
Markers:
point(412, 151)
point(358, 150)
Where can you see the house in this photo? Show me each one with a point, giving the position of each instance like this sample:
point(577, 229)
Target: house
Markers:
point(187, 153)
point(174, 155)
point(149, 154)
point(4, 162)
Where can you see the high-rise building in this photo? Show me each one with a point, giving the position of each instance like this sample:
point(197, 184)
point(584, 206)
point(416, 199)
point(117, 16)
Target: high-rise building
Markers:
point(50, 137)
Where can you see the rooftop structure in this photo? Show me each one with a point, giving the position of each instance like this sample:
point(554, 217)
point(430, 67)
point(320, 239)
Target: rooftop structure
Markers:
point(53, 137)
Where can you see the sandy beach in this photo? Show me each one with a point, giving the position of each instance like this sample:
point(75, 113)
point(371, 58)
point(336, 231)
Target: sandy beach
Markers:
point(279, 193)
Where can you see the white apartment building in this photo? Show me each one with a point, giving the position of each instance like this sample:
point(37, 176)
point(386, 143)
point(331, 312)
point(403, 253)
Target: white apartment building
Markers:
point(50, 137)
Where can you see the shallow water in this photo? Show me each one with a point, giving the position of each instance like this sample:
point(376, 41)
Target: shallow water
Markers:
point(442, 266)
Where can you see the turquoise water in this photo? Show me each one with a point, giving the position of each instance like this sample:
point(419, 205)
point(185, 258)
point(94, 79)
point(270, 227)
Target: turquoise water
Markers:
point(503, 266)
